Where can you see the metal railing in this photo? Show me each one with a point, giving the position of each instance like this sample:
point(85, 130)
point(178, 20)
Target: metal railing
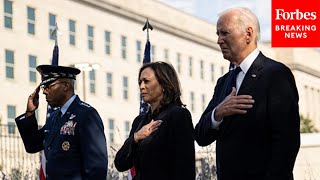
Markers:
point(17, 164)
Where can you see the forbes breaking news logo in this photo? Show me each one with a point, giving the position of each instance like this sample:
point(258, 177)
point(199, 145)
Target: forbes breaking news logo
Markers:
point(295, 31)
point(294, 26)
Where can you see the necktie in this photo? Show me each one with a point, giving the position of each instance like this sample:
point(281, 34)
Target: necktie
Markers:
point(57, 118)
point(233, 80)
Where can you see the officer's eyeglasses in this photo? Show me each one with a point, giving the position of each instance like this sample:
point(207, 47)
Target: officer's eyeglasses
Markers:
point(48, 87)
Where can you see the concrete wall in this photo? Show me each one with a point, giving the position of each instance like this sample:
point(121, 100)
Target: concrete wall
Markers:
point(307, 165)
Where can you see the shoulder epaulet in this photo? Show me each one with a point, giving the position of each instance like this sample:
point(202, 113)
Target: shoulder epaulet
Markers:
point(84, 104)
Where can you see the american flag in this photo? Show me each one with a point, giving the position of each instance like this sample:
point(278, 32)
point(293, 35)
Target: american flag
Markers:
point(146, 59)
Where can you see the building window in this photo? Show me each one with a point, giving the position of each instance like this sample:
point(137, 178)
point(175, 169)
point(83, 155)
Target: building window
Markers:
point(8, 14)
point(166, 55)
point(125, 88)
point(127, 129)
point(72, 32)
point(31, 20)
point(222, 70)
point(92, 76)
point(107, 42)
point(138, 46)
point(192, 101)
point(109, 84)
point(190, 66)
point(32, 68)
point(124, 47)
point(201, 70)
point(212, 72)
point(203, 99)
point(111, 131)
point(90, 37)
point(52, 25)
point(179, 63)
point(153, 53)
point(9, 64)
point(11, 110)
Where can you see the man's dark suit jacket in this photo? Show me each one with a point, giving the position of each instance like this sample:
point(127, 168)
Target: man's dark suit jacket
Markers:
point(167, 154)
point(75, 146)
point(263, 143)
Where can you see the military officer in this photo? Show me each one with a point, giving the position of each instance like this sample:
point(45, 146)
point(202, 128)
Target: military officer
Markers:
point(73, 136)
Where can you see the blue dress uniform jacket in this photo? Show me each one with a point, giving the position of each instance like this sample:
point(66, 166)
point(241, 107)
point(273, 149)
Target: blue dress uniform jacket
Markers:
point(74, 144)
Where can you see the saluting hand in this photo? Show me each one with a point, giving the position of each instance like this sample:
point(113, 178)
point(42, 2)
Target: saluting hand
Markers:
point(146, 130)
point(33, 102)
point(233, 104)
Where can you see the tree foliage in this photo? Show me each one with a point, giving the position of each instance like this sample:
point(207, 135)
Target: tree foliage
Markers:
point(306, 125)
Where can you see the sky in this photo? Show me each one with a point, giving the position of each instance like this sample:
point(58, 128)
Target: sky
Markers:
point(209, 10)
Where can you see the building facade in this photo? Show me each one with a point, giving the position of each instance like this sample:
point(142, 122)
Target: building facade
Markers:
point(108, 34)
point(107, 37)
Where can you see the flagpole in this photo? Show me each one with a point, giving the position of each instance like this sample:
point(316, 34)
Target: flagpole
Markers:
point(54, 61)
point(143, 106)
point(54, 33)
point(147, 58)
point(55, 54)
point(147, 30)
point(147, 26)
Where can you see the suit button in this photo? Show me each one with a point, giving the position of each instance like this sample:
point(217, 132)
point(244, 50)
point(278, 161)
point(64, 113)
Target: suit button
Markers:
point(49, 148)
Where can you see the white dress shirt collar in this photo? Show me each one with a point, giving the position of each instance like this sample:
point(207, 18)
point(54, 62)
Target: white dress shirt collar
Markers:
point(247, 62)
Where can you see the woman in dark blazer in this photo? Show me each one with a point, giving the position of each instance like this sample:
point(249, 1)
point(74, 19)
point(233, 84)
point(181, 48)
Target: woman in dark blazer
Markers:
point(161, 142)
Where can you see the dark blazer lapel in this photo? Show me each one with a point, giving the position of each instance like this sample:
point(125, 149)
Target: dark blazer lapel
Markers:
point(58, 124)
point(220, 92)
point(223, 93)
point(160, 117)
point(165, 111)
point(142, 121)
point(252, 75)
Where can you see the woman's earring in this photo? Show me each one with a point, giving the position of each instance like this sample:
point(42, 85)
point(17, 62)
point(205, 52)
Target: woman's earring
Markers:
point(163, 90)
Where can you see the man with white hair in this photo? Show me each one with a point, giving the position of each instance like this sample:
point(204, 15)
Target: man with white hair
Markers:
point(254, 113)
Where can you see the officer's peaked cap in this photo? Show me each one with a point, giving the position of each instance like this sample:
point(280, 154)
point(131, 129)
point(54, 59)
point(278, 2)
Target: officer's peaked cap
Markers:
point(50, 73)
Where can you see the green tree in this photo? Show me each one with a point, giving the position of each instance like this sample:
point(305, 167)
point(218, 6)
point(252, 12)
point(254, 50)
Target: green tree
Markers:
point(306, 125)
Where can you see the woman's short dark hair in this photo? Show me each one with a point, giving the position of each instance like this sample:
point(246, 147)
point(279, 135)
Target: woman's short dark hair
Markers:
point(169, 81)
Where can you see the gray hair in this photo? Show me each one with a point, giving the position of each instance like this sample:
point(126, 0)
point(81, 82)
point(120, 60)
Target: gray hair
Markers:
point(246, 18)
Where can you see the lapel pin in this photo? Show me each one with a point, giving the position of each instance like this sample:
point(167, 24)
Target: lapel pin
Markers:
point(253, 75)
